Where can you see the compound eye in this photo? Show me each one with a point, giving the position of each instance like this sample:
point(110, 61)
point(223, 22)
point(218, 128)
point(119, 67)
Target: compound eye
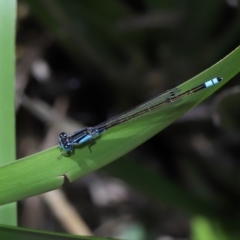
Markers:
point(67, 146)
point(63, 135)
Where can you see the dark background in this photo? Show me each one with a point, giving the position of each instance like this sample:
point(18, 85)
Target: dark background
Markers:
point(82, 62)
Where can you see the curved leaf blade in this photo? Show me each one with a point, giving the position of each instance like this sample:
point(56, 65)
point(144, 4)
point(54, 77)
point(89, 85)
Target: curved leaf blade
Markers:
point(45, 171)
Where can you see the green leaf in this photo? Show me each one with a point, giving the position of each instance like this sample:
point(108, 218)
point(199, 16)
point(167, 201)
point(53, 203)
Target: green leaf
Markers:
point(202, 229)
point(45, 171)
point(9, 233)
point(7, 91)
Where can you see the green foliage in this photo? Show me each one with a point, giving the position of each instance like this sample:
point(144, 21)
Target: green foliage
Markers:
point(109, 36)
point(9, 233)
point(7, 110)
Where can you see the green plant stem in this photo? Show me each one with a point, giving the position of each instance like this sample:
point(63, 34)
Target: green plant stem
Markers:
point(7, 114)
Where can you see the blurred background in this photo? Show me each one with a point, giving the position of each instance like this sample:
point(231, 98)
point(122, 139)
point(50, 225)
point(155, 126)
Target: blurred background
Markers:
point(82, 62)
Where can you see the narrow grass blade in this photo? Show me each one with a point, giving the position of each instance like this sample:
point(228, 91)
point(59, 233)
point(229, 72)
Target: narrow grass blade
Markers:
point(9, 233)
point(7, 111)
